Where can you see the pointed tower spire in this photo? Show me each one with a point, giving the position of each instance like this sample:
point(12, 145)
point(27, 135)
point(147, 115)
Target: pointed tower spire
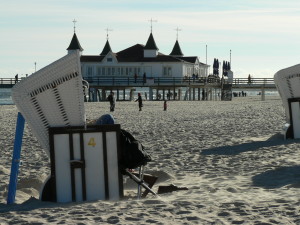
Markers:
point(150, 49)
point(151, 43)
point(74, 45)
point(106, 49)
point(176, 49)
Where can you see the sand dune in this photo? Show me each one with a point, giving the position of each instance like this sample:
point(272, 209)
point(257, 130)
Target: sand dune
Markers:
point(230, 155)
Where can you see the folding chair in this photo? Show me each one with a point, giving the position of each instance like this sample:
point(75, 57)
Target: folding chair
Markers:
point(139, 178)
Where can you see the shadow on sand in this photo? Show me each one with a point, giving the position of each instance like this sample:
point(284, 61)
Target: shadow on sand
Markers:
point(30, 204)
point(279, 177)
point(275, 140)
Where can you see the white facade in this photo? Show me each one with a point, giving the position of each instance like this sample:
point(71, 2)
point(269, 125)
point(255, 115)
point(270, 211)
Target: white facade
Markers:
point(155, 69)
point(109, 66)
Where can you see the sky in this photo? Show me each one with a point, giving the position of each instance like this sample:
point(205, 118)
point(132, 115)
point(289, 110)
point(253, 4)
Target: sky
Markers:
point(259, 37)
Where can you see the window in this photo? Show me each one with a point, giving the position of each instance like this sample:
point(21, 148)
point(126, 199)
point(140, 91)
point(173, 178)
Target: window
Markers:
point(189, 71)
point(109, 60)
point(89, 71)
point(98, 71)
point(167, 71)
point(108, 71)
point(103, 70)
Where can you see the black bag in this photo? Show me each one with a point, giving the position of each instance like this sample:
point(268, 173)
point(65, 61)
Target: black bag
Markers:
point(133, 152)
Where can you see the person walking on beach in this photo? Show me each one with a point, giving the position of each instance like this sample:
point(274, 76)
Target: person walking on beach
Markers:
point(165, 105)
point(140, 101)
point(112, 101)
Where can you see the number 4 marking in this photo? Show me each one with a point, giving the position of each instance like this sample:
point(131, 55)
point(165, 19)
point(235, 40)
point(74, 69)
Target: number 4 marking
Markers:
point(92, 142)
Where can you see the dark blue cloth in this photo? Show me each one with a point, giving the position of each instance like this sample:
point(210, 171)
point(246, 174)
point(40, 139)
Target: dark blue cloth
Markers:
point(105, 119)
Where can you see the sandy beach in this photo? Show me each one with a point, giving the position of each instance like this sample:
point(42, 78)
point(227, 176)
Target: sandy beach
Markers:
point(230, 155)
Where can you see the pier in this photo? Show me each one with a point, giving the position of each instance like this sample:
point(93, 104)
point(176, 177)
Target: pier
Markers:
point(162, 86)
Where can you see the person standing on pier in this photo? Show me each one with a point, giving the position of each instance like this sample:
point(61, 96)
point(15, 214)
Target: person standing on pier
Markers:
point(144, 78)
point(16, 79)
point(140, 101)
point(135, 77)
point(249, 79)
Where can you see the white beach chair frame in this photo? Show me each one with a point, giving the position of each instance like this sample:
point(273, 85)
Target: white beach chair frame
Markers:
point(84, 164)
point(287, 82)
point(53, 96)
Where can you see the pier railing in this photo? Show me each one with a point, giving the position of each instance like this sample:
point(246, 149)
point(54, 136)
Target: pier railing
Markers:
point(176, 81)
point(8, 81)
point(253, 81)
point(153, 81)
point(158, 81)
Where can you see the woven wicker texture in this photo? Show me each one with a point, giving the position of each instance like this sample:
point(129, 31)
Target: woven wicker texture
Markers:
point(288, 84)
point(53, 96)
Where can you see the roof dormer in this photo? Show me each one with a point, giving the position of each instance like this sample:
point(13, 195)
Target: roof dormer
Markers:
point(110, 57)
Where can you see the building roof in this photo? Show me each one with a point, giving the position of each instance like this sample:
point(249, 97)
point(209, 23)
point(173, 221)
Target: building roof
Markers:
point(91, 58)
point(134, 53)
point(176, 50)
point(191, 59)
point(75, 45)
point(106, 49)
point(131, 54)
point(151, 45)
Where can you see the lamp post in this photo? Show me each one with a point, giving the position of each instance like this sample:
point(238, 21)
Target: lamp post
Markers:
point(230, 57)
point(205, 57)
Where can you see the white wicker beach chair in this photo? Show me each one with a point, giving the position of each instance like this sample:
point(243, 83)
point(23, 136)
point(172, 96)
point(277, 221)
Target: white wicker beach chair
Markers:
point(53, 96)
point(287, 82)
